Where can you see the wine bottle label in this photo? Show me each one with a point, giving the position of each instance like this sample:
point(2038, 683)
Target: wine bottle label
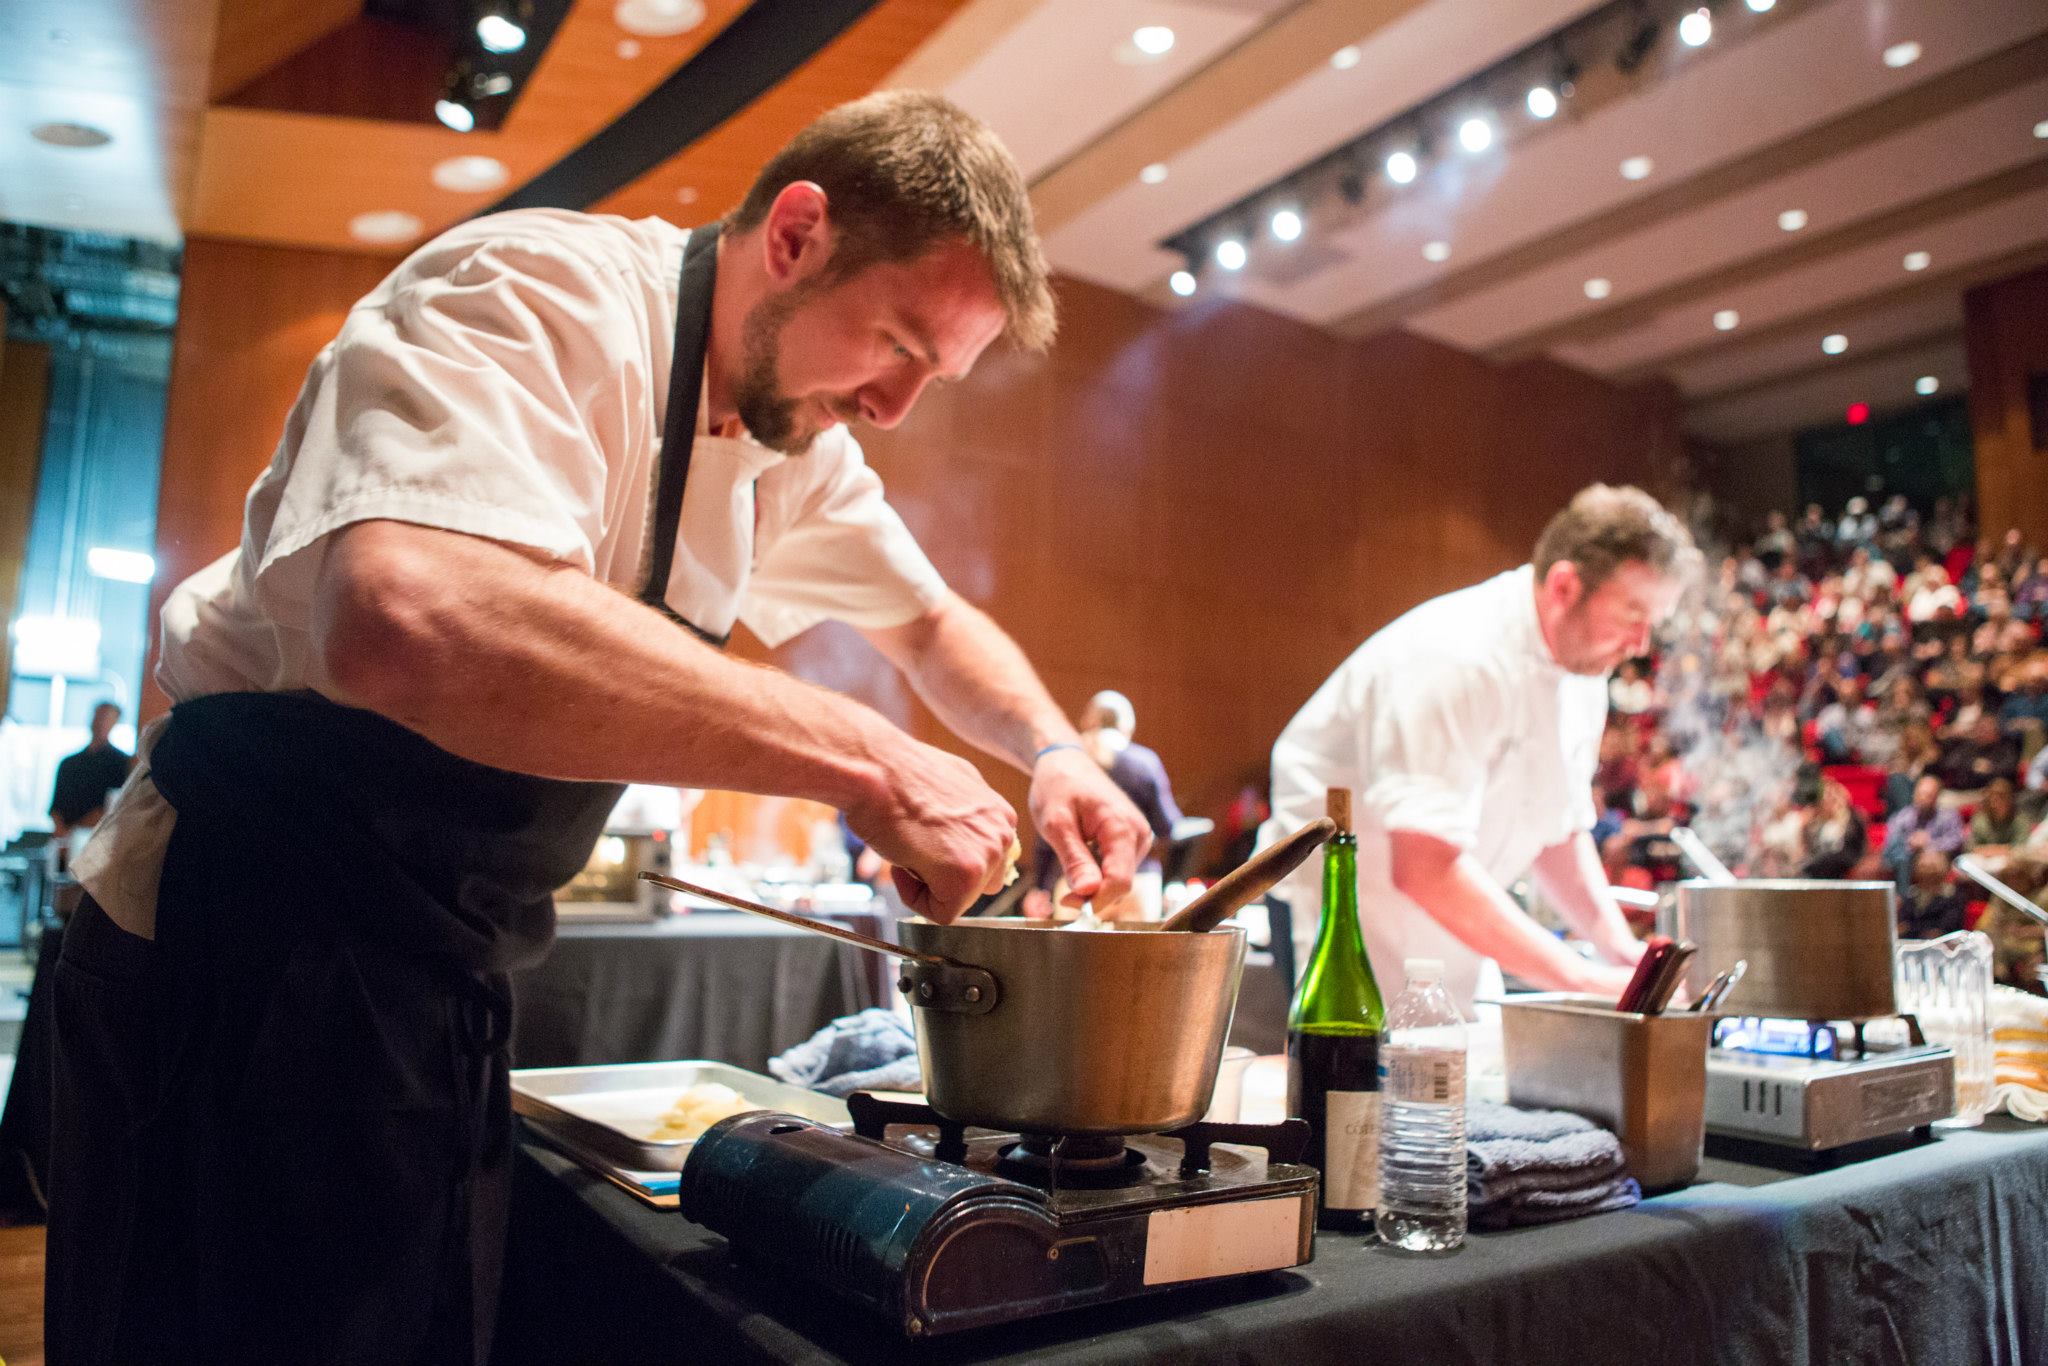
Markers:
point(1351, 1150)
point(1428, 1076)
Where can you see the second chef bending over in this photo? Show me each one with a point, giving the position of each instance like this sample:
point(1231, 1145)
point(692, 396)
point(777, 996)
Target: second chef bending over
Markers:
point(1470, 728)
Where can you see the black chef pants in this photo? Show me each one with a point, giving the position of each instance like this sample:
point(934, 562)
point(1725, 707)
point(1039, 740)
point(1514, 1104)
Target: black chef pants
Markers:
point(272, 1142)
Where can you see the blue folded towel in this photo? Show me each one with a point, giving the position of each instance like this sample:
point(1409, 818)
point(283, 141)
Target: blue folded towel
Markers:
point(871, 1051)
point(1540, 1166)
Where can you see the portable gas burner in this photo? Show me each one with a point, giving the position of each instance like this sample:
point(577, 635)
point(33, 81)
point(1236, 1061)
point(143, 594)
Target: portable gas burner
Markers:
point(1815, 1085)
point(940, 1228)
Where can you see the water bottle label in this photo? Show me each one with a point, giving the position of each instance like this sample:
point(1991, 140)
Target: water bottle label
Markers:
point(1428, 1076)
point(1351, 1150)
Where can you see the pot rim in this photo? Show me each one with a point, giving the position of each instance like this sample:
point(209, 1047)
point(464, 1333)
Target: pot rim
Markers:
point(1148, 929)
point(1780, 884)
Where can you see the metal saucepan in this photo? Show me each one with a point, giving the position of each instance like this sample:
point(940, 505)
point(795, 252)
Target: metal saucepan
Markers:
point(1027, 1027)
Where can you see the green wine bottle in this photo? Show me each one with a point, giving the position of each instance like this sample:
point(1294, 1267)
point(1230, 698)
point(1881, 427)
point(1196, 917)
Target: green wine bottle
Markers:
point(1333, 1044)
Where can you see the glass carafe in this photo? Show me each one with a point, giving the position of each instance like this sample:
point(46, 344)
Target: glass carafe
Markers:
point(1945, 983)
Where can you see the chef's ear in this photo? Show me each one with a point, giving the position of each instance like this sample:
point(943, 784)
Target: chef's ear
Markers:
point(797, 233)
point(1563, 585)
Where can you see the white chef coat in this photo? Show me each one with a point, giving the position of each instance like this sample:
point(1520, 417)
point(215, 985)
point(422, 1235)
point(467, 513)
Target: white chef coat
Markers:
point(1455, 721)
point(508, 381)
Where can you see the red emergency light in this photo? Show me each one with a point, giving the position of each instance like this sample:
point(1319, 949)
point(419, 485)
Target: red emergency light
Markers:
point(1859, 413)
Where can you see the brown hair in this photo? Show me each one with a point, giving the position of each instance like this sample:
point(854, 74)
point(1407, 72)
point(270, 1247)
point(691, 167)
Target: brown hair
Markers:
point(1604, 527)
point(903, 170)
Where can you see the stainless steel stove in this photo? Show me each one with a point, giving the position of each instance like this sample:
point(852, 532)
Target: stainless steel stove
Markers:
point(1816, 1086)
point(939, 1228)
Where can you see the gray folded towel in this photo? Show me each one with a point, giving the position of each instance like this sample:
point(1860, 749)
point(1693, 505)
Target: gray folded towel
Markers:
point(872, 1051)
point(1539, 1166)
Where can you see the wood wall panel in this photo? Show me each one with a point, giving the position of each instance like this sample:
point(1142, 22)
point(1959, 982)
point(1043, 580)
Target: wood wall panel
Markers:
point(1207, 508)
point(250, 320)
point(2006, 340)
point(24, 400)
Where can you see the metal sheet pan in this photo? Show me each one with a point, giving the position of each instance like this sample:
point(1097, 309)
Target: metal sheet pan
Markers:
point(610, 1111)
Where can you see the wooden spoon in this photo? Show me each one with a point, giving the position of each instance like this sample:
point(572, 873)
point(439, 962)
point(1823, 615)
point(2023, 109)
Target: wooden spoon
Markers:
point(1250, 880)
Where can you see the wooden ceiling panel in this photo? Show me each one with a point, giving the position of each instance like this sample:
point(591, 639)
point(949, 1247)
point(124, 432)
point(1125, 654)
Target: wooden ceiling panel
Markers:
point(716, 170)
point(252, 36)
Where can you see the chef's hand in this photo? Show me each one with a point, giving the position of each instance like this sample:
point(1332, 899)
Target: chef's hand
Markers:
point(947, 833)
point(1099, 836)
point(1605, 980)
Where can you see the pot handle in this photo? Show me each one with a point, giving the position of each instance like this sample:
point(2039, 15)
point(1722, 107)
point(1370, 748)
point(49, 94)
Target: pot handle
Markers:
point(952, 987)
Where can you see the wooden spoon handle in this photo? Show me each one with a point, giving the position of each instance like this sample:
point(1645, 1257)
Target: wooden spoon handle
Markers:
point(1250, 880)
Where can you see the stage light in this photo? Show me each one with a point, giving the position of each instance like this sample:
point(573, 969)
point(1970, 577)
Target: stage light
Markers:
point(1901, 54)
point(1402, 167)
point(1154, 173)
point(1475, 134)
point(1792, 220)
point(1542, 101)
point(1926, 385)
point(1727, 320)
point(1344, 58)
point(1760, 6)
point(1181, 282)
point(1436, 251)
point(1286, 225)
point(1696, 28)
point(455, 114)
point(1230, 254)
point(1599, 287)
point(1834, 343)
point(1637, 168)
point(1917, 260)
point(122, 566)
point(499, 34)
point(1154, 40)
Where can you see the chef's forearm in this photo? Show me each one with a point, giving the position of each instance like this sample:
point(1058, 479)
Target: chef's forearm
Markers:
point(540, 669)
point(1460, 895)
point(973, 676)
point(1570, 876)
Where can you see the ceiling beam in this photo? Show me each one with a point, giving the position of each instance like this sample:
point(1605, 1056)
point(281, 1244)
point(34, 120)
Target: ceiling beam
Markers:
point(1797, 251)
point(1953, 90)
point(1278, 54)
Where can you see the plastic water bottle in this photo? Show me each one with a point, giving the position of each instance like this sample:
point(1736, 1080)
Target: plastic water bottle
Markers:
point(1422, 1116)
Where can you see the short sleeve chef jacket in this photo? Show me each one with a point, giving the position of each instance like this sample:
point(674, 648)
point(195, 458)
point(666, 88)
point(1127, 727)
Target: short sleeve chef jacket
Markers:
point(1455, 721)
point(507, 381)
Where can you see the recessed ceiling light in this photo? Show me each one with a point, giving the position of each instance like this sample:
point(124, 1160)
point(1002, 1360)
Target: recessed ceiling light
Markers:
point(1917, 260)
point(1475, 134)
point(1901, 54)
point(470, 175)
point(1696, 28)
point(1401, 167)
point(1436, 251)
point(1230, 254)
point(455, 115)
point(629, 48)
point(658, 18)
point(1181, 282)
point(1792, 220)
point(122, 566)
point(1599, 287)
point(1926, 385)
point(1154, 173)
point(1344, 58)
point(2041, 129)
point(1834, 343)
point(1637, 168)
point(1153, 40)
point(76, 136)
point(1727, 320)
point(686, 194)
point(1286, 225)
point(499, 34)
point(1542, 101)
point(1760, 6)
point(385, 228)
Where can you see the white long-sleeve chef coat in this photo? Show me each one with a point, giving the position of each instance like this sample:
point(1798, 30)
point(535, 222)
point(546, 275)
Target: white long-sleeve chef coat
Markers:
point(508, 380)
point(1453, 720)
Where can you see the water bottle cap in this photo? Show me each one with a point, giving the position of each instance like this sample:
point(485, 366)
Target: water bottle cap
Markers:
point(1424, 969)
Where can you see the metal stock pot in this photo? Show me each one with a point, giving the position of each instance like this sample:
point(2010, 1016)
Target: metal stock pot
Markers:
point(1816, 950)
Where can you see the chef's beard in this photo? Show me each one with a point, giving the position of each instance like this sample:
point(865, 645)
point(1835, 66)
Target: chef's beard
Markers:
point(770, 415)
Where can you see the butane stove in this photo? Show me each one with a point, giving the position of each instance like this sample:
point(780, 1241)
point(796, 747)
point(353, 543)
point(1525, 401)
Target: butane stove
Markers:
point(1816, 1086)
point(939, 1228)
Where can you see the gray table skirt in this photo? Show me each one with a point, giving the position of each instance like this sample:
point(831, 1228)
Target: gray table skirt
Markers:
point(721, 986)
point(1932, 1254)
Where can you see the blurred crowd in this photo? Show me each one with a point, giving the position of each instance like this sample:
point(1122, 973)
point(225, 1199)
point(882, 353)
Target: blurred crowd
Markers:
point(1861, 695)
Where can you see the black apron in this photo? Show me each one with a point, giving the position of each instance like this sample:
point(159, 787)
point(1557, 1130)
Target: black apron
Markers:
point(283, 1128)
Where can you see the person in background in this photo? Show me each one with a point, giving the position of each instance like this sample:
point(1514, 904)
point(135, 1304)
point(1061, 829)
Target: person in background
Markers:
point(1835, 835)
point(1969, 763)
point(1631, 693)
point(1914, 758)
point(1923, 825)
point(1931, 906)
point(1106, 725)
point(1999, 826)
point(84, 779)
point(1469, 729)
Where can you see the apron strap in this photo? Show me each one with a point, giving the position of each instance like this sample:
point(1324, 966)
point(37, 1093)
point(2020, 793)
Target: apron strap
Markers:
point(679, 426)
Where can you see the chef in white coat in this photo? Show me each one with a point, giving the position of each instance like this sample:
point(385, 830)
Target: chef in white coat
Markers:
point(1470, 728)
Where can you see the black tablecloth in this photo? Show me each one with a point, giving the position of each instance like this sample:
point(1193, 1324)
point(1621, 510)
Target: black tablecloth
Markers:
point(715, 985)
point(1929, 1256)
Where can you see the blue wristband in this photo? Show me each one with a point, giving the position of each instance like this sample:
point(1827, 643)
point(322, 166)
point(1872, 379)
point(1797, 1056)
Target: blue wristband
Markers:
point(1063, 744)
